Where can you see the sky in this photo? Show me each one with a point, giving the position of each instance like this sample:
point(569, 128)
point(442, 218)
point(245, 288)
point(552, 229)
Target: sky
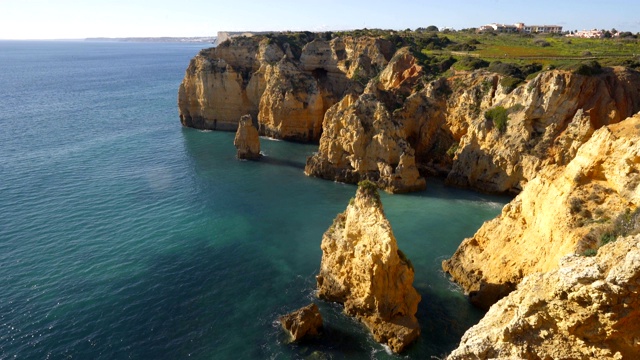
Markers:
point(77, 19)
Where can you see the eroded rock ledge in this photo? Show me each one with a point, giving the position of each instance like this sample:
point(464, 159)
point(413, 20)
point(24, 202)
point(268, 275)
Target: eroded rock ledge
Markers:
point(363, 269)
point(565, 209)
point(589, 308)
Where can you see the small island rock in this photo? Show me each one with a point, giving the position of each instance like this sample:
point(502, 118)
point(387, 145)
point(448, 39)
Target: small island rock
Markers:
point(247, 140)
point(303, 322)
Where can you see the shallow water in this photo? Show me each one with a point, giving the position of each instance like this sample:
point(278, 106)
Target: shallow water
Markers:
point(124, 235)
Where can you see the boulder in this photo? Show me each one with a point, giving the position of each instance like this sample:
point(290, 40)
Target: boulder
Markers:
point(303, 322)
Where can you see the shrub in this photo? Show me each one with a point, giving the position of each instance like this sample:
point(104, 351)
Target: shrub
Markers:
point(589, 69)
point(451, 152)
point(509, 83)
point(505, 69)
point(498, 115)
point(461, 47)
point(515, 108)
point(590, 252)
point(575, 205)
point(370, 189)
point(542, 43)
point(470, 63)
point(625, 224)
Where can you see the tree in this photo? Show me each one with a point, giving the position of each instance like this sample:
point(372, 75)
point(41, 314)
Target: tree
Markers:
point(432, 28)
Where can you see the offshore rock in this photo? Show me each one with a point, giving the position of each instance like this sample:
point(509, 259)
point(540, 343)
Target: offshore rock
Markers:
point(561, 211)
point(247, 140)
point(363, 269)
point(589, 308)
point(303, 322)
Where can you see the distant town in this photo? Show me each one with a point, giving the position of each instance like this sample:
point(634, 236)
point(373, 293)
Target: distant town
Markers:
point(550, 29)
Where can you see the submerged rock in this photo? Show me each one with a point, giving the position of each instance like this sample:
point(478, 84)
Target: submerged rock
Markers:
point(247, 140)
point(303, 322)
point(363, 269)
point(589, 308)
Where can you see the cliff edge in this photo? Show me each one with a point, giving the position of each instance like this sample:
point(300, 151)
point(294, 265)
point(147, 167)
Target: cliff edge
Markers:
point(588, 308)
point(565, 209)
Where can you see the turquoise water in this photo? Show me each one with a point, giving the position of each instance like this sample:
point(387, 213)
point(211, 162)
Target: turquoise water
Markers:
point(125, 236)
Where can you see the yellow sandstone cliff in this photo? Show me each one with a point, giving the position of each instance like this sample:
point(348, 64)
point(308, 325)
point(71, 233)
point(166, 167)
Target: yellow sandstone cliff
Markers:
point(286, 82)
point(363, 269)
point(588, 308)
point(371, 105)
point(561, 211)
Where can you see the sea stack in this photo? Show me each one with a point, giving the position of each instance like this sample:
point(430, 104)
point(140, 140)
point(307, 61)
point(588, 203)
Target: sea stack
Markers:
point(247, 140)
point(363, 269)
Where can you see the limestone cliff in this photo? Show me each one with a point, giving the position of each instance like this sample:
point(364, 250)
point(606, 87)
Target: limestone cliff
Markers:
point(548, 119)
point(247, 140)
point(313, 87)
point(442, 125)
point(363, 139)
point(563, 210)
point(363, 269)
point(285, 81)
point(589, 308)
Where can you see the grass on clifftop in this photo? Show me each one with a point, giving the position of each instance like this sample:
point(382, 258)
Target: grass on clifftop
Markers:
point(519, 56)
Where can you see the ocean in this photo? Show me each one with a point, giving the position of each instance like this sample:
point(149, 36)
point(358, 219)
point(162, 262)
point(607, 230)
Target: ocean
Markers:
point(126, 236)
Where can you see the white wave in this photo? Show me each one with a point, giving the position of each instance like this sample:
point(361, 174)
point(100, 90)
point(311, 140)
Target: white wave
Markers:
point(269, 138)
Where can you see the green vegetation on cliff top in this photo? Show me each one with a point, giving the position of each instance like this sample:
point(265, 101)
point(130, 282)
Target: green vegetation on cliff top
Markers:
point(517, 56)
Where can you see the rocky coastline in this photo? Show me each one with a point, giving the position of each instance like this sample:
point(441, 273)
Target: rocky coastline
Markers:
point(565, 144)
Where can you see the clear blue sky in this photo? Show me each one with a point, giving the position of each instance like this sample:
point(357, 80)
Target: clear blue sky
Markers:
point(67, 19)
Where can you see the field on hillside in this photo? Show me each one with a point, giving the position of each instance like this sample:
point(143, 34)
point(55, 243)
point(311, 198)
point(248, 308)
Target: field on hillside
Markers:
point(547, 50)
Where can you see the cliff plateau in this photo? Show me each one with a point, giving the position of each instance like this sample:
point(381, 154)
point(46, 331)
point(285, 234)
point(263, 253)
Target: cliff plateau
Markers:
point(363, 269)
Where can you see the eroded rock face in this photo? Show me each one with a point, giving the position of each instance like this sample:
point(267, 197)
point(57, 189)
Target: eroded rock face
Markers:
point(549, 118)
point(288, 89)
point(561, 211)
point(303, 322)
point(363, 269)
point(362, 139)
point(329, 90)
point(247, 140)
point(589, 308)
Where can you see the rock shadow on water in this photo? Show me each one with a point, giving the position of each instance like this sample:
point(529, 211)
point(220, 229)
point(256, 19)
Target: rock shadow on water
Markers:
point(266, 159)
point(442, 323)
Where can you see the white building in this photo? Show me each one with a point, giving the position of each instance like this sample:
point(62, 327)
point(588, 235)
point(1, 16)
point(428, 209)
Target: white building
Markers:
point(588, 34)
point(521, 27)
